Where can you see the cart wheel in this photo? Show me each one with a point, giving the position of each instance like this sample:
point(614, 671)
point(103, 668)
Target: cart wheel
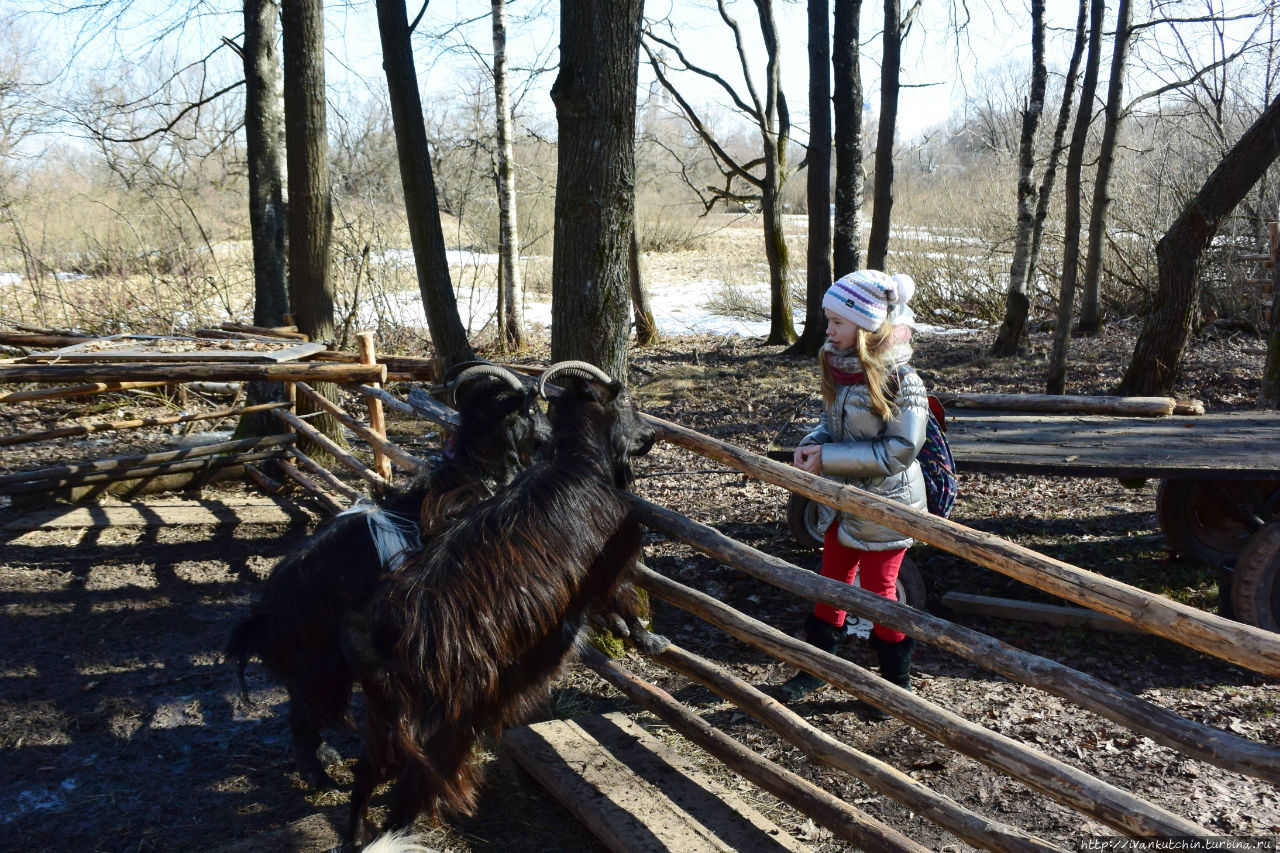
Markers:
point(1208, 519)
point(1255, 587)
point(911, 591)
point(804, 517)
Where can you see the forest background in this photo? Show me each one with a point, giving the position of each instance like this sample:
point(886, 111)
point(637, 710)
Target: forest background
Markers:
point(124, 171)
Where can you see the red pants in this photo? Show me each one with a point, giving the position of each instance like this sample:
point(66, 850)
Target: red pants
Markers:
point(877, 571)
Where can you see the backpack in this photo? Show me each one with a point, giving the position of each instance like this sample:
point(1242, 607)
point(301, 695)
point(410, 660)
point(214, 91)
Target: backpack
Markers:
point(936, 463)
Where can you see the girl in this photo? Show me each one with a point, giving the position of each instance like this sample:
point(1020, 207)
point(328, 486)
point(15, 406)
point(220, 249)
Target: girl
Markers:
point(874, 413)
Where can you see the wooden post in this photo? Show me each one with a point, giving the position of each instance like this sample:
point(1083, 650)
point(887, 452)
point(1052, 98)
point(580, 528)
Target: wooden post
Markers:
point(377, 422)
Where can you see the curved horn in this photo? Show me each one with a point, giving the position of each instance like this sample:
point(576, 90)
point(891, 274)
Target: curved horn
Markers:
point(484, 369)
point(454, 370)
point(581, 369)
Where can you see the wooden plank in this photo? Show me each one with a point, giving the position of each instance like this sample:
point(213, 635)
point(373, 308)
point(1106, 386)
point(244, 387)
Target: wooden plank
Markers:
point(1243, 445)
point(153, 514)
point(637, 795)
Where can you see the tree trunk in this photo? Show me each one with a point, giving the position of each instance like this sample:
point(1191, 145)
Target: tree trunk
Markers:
point(1017, 302)
point(594, 94)
point(264, 144)
point(310, 208)
point(421, 208)
point(818, 257)
point(265, 153)
point(646, 327)
point(1056, 378)
point(512, 332)
point(882, 201)
point(1059, 134)
point(1090, 313)
point(850, 176)
point(775, 131)
point(1168, 323)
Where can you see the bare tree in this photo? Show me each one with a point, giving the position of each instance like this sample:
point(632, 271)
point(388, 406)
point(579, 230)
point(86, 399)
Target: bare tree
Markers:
point(646, 326)
point(766, 107)
point(595, 97)
point(310, 202)
point(1056, 378)
point(511, 318)
point(1015, 311)
point(818, 258)
point(896, 27)
point(264, 144)
point(1158, 352)
point(847, 101)
point(1090, 313)
point(1017, 302)
point(425, 232)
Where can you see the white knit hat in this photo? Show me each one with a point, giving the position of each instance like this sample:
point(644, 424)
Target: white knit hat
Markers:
point(863, 298)
point(901, 313)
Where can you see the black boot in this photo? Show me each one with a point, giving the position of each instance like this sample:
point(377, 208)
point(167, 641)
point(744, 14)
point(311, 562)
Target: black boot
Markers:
point(895, 666)
point(823, 636)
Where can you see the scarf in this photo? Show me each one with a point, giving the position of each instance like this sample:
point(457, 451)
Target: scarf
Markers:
point(844, 365)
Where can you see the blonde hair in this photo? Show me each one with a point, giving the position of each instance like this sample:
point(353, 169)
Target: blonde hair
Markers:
point(872, 348)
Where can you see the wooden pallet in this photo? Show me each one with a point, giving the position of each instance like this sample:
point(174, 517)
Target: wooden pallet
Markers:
point(637, 795)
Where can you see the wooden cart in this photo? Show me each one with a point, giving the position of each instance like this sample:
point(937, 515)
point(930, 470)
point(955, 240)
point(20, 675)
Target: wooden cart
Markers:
point(1219, 496)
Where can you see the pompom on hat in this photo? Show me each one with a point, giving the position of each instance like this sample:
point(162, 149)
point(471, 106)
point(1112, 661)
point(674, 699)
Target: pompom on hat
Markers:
point(901, 314)
point(864, 298)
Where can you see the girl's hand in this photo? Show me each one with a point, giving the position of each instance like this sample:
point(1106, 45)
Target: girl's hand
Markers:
point(809, 458)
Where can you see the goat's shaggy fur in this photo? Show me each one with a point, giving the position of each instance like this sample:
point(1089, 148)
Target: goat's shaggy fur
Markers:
point(467, 636)
point(295, 625)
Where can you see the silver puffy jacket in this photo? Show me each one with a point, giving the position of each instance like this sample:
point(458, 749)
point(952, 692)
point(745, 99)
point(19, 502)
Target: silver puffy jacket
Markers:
point(861, 449)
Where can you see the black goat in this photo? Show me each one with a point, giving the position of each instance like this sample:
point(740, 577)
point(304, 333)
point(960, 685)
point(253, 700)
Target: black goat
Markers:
point(295, 625)
point(468, 634)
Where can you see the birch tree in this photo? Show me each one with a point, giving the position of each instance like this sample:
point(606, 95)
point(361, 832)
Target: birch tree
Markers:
point(511, 301)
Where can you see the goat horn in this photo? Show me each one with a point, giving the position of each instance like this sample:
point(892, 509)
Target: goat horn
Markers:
point(582, 369)
point(484, 369)
point(454, 370)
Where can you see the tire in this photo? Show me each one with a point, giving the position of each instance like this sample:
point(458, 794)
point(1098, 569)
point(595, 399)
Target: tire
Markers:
point(1255, 585)
point(804, 520)
point(1196, 521)
point(911, 588)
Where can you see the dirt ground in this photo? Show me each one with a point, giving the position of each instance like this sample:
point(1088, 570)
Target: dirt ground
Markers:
point(122, 730)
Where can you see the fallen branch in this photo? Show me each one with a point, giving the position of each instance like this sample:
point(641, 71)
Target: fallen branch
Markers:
point(38, 394)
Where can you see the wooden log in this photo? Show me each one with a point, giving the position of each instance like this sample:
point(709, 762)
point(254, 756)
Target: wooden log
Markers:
point(982, 832)
point(377, 423)
point(419, 405)
point(311, 487)
point(267, 484)
point(1032, 611)
point(1191, 738)
point(301, 426)
point(1074, 788)
point(199, 464)
point(228, 335)
point(286, 332)
point(323, 474)
point(40, 394)
point(1188, 407)
point(304, 371)
point(388, 449)
point(1148, 407)
point(121, 462)
point(1241, 644)
point(845, 821)
point(134, 423)
point(41, 339)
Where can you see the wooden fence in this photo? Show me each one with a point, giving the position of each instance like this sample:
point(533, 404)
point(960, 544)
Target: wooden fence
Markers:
point(1102, 801)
